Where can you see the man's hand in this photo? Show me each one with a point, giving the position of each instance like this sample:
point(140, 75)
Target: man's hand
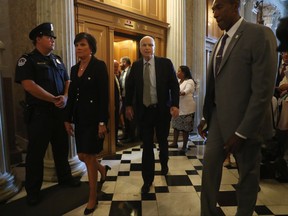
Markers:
point(283, 87)
point(174, 111)
point(129, 113)
point(102, 130)
point(202, 129)
point(60, 101)
point(234, 144)
point(69, 128)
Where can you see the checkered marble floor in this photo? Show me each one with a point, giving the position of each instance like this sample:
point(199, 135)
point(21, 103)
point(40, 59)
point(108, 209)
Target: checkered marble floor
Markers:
point(178, 193)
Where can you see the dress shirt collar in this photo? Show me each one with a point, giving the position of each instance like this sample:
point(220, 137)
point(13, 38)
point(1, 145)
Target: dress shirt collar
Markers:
point(151, 61)
point(234, 28)
point(126, 69)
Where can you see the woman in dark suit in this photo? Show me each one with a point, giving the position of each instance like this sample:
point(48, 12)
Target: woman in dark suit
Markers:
point(87, 108)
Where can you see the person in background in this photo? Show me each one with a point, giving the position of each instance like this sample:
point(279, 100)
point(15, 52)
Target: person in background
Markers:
point(129, 130)
point(154, 84)
point(237, 113)
point(282, 35)
point(228, 162)
point(87, 109)
point(282, 125)
point(187, 107)
point(44, 78)
point(117, 72)
point(118, 101)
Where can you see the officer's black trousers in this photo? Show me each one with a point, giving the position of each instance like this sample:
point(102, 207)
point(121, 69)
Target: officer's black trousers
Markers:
point(46, 125)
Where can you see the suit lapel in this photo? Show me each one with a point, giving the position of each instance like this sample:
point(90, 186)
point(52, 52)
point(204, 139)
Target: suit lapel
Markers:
point(232, 44)
point(213, 52)
point(141, 74)
point(128, 72)
point(211, 60)
point(157, 69)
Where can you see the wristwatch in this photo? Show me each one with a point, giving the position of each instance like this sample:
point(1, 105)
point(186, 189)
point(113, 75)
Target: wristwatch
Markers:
point(101, 123)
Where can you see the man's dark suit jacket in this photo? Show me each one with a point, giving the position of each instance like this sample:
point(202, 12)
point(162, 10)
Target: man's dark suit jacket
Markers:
point(92, 97)
point(126, 77)
point(166, 84)
point(116, 95)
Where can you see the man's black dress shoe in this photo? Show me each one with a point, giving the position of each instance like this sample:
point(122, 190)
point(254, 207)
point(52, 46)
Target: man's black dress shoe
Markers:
point(145, 188)
point(32, 200)
point(128, 140)
point(154, 145)
point(164, 170)
point(72, 182)
point(118, 144)
point(122, 137)
point(184, 150)
point(173, 145)
point(106, 170)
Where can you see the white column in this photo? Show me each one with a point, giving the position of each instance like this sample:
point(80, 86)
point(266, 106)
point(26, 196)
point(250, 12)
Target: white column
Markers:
point(61, 14)
point(198, 58)
point(176, 41)
point(9, 185)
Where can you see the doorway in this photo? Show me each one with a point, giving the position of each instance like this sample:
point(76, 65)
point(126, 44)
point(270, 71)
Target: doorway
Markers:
point(126, 45)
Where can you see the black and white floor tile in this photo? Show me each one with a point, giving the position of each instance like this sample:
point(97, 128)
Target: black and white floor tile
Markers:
point(178, 193)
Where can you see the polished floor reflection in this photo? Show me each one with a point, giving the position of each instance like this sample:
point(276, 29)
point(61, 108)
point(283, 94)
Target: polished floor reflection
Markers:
point(178, 193)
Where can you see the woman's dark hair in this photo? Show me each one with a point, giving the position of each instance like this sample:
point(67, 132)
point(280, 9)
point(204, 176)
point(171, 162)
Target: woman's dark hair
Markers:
point(187, 73)
point(90, 39)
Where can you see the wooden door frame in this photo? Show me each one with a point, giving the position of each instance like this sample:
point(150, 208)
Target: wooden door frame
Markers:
point(118, 20)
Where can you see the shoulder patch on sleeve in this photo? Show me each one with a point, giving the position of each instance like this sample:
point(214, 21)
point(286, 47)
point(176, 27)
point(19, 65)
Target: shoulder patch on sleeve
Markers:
point(58, 61)
point(22, 61)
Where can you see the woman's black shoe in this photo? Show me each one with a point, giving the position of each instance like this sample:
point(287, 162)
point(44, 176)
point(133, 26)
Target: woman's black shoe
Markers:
point(89, 211)
point(106, 170)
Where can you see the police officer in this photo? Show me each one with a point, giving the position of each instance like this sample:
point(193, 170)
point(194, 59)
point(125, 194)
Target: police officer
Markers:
point(45, 81)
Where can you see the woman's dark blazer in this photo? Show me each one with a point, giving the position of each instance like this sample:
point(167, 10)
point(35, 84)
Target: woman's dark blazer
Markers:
point(90, 98)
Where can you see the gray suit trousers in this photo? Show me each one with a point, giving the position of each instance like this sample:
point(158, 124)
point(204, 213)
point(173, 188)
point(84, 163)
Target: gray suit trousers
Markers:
point(248, 161)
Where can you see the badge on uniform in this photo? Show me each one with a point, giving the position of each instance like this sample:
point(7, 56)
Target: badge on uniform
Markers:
point(58, 61)
point(22, 61)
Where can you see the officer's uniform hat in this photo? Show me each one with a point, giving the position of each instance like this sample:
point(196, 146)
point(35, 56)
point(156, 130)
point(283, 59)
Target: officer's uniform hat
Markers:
point(282, 35)
point(42, 29)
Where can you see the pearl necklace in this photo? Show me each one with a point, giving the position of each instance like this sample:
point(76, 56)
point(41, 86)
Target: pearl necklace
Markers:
point(83, 67)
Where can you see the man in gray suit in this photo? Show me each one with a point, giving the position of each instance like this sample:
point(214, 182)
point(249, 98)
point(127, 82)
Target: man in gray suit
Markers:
point(241, 77)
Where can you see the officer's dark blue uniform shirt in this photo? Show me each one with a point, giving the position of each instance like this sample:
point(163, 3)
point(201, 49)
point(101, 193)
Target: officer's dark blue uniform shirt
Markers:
point(48, 72)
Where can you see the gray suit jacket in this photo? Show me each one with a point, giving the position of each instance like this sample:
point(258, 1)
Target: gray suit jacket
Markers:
point(243, 89)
